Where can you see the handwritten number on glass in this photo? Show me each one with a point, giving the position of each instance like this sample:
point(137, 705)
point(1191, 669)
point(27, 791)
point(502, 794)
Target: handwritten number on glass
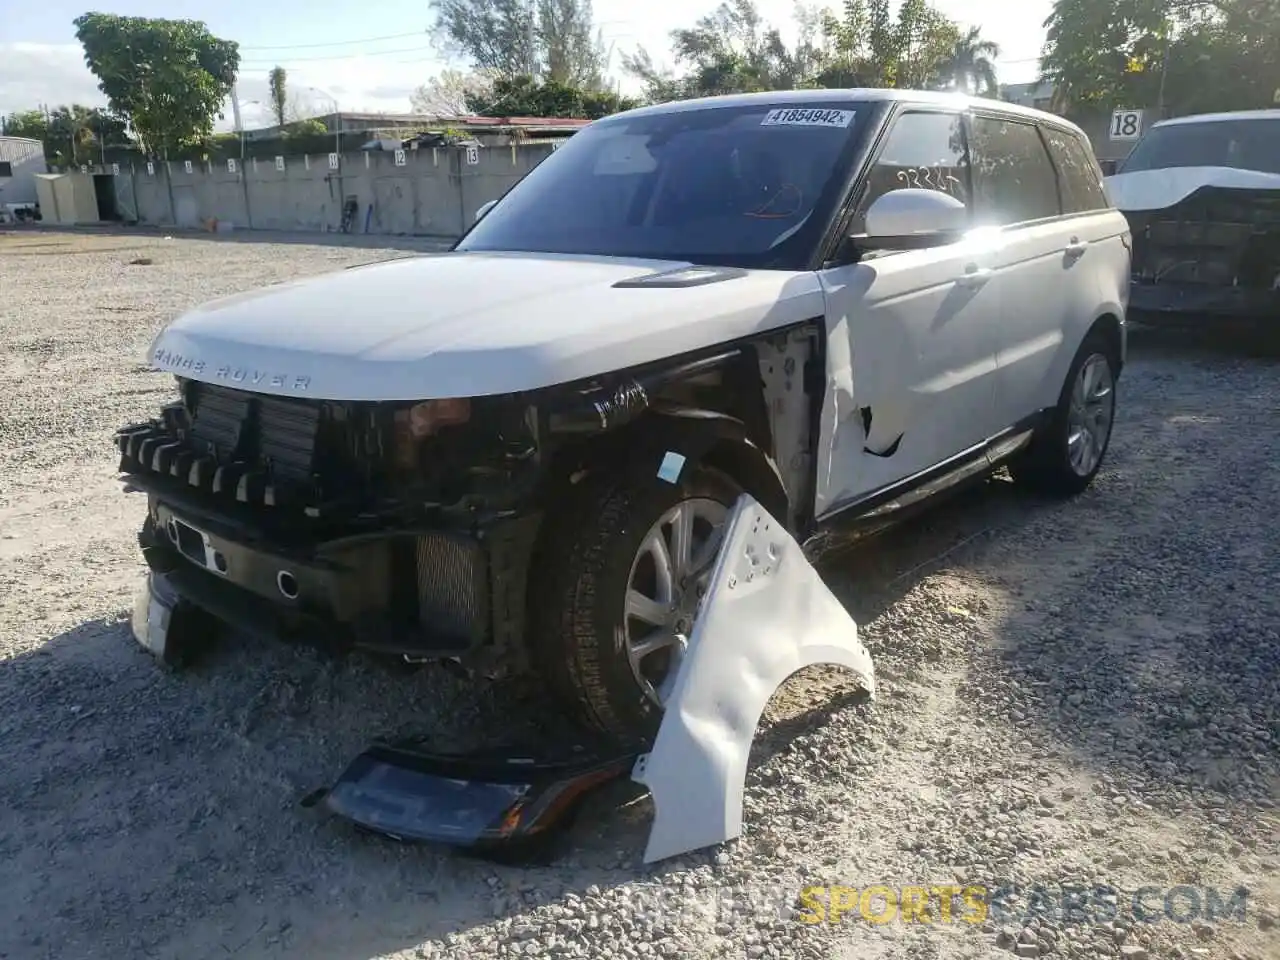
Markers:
point(927, 178)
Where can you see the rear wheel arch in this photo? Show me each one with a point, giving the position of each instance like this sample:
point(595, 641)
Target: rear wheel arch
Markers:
point(1108, 328)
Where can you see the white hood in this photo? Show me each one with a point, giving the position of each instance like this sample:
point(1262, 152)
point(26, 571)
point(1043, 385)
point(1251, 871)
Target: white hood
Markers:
point(1158, 189)
point(468, 325)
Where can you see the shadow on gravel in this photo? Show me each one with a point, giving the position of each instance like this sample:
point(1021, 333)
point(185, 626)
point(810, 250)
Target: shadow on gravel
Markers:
point(1149, 645)
point(163, 807)
point(1206, 341)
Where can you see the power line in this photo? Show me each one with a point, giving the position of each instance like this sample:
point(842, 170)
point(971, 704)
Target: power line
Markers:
point(345, 56)
point(337, 43)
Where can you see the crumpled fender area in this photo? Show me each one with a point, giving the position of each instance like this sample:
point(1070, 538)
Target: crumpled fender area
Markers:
point(766, 615)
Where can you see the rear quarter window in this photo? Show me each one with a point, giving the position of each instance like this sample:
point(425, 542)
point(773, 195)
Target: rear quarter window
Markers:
point(1013, 177)
point(1078, 174)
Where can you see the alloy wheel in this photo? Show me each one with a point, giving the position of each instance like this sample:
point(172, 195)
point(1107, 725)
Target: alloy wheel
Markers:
point(668, 578)
point(1089, 417)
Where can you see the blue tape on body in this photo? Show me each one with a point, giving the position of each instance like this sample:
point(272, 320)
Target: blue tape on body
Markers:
point(669, 469)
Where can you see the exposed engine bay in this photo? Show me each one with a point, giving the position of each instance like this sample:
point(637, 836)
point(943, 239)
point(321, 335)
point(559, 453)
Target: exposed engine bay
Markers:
point(1216, 237)
point(409, 528)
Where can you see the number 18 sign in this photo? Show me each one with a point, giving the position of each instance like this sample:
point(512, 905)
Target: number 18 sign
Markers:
point(1126, 125)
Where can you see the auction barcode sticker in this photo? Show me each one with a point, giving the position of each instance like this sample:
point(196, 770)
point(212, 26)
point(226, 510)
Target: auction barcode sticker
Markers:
point(807, 117)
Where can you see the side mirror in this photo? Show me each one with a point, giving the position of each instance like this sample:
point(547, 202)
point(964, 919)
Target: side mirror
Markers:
point(912, 219)
point(484, 208)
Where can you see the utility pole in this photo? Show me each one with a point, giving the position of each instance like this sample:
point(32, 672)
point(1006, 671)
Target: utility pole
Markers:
point(533, 58)
point(1164, 68)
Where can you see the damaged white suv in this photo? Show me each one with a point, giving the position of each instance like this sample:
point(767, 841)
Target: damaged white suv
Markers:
point(521, 452)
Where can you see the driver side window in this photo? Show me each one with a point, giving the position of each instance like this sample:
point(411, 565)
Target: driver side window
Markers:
point(925, 151)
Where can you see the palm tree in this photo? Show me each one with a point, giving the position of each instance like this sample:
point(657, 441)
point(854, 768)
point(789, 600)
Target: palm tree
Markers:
point(970, 66)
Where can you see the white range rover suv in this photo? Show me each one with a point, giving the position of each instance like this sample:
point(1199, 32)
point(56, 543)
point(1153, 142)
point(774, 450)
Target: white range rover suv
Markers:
point(521, 452)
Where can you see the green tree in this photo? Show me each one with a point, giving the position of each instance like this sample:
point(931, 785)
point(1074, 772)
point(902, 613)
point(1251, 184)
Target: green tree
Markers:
point(445, 95)
point(71, 133)
point(167, 78)
point(1105, 52)
point(526, 97)
point(79, 134)
point(730, 50)
point(573, 52)
point(1186, 56)
point(970, 66)
point(547, 39)
point(310, 127)
point(277, 82)
point(26, 123)
point(866, 46)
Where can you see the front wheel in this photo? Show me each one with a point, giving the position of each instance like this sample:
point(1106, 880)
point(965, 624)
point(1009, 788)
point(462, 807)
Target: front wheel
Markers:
point(624, 568)
point(1067, 453)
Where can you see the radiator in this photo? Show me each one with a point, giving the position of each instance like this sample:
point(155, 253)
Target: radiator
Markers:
point(453, 587)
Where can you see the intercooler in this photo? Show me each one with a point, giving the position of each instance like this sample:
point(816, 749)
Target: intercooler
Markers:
point(260, 450)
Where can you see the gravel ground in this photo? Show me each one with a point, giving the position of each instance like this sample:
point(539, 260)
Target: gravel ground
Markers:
point(1083, 694)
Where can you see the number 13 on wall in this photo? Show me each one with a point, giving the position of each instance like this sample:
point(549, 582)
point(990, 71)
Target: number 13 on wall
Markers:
point(1126, 125)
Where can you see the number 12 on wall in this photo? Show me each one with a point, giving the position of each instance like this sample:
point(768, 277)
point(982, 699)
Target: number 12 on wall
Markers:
point(1126, 125)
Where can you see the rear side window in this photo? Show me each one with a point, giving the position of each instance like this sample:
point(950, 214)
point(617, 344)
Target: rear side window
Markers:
point(922, 150)
point(1077, 172)
point(1013, 178)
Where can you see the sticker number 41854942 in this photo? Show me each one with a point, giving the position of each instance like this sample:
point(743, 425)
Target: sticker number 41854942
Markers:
point(807, 117)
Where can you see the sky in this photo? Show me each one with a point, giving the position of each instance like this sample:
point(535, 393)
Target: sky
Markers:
point(370, 56)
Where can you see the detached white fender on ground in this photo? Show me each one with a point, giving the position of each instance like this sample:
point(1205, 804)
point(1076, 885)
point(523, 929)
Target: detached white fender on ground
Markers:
point(766, 615)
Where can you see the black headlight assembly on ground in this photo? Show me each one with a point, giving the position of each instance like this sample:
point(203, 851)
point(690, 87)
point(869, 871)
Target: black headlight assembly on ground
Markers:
point(509, 803)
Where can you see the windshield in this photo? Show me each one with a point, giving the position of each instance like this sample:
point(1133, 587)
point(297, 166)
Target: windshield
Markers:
point(735, 186)
point(1242, 144)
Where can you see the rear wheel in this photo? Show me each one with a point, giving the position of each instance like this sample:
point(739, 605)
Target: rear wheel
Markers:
point(1067, 453)
point(623, 569)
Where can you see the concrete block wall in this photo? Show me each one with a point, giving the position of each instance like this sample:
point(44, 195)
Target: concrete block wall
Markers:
point(435, 192)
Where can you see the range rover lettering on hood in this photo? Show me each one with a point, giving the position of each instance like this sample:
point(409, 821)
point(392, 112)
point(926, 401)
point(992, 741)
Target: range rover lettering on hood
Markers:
point(181, 364)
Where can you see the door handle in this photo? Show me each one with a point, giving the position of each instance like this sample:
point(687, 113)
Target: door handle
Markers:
point(974, 276)
point(1076, 247)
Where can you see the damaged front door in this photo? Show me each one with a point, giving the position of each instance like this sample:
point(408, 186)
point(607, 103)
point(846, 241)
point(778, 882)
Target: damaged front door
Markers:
point(912, 335)
point(766, 615)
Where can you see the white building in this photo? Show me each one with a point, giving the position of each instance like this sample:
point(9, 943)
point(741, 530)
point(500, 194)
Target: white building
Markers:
point(20, 160)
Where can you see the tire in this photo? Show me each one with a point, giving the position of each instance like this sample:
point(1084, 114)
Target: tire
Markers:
point(591, 554)
point(1054, 466)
